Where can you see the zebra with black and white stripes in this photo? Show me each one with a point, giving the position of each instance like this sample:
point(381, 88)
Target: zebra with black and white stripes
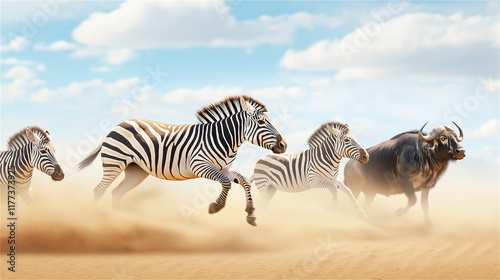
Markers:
point(316, 167)
point(28, 149)
point(181, 152)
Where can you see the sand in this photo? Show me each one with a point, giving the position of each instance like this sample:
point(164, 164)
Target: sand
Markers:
point(165, 232)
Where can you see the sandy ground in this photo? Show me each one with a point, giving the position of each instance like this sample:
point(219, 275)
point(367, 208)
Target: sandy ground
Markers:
point(165, 232)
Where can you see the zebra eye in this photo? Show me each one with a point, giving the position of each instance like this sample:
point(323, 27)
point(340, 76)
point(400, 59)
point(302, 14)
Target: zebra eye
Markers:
point(43, 151)
point(261, 122)
point(346, 140)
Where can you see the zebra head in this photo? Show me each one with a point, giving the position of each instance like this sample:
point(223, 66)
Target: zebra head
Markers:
point(345, 144)
point(43, 154)
point(259, 129)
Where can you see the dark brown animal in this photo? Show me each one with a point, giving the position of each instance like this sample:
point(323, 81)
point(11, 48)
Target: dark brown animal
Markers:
point(408, 162)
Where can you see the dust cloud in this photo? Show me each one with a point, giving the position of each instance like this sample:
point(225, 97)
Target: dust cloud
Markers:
point(170, 220)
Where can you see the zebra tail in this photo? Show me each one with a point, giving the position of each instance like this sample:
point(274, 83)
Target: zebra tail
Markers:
point(89, 159)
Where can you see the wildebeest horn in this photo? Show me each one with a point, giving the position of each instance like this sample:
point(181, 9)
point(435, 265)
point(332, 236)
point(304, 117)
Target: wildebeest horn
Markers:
point(432, 134)
point(461, 137)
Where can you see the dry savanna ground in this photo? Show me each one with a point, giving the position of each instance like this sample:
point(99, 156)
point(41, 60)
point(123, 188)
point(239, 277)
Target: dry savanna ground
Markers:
point(165, 232)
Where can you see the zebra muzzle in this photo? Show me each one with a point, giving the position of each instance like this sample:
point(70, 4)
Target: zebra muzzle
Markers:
point(58, 173)
point(280, 146)
point(363, 156)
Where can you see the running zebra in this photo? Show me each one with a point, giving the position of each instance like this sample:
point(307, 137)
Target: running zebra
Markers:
point(316, 167)
point(181, 152)
point(28, 149)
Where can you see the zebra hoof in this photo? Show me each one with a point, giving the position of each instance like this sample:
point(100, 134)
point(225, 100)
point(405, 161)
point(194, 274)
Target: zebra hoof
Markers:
point(214, 208)
point(252, 221)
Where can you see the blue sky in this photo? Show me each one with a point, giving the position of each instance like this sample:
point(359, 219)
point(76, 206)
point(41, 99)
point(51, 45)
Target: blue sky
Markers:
point(77, 68)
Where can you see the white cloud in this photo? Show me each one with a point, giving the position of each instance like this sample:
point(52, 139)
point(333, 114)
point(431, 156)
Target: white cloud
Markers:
point(177, 96)
point(20, 72)
point(295, 92)
point(53, 10)
point(110, 56)
point(488, 129)
point(56, 46)
point(17, 44)
point(101, 69)
point(299, 137)
point(118, 56)
point(21, 83)
point(40, 67)
point(411, 45)
point(320, 82)
point(15, 61)
point(81, 89)
point(86, 52)
point(23, 80)
point(208, 94)
point(204, 94)
point(277, 92)
point(167, 24)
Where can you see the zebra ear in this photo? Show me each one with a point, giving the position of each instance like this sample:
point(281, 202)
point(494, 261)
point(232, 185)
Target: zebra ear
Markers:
point(31, 136)
point(244, 104)
point(334, 131)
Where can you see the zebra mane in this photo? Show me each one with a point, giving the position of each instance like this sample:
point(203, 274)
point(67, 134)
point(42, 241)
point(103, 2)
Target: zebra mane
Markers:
point(322, 133)
point(20, 139)
point(226, 108)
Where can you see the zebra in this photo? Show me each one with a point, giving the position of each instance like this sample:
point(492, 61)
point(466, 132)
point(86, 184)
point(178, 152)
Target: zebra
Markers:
point(27, 149)
point(316, 167)
point(181, 152)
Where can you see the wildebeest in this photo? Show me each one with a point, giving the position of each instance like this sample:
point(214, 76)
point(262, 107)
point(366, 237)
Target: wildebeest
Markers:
point(408, 162)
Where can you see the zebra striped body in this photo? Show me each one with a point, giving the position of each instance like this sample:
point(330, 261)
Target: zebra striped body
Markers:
point(316, 167)
point(296, 172)
point(181, 152)
point(171, 152)
point(27, 150)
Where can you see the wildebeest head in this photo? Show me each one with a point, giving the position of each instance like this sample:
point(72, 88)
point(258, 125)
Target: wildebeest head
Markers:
point(445, 141)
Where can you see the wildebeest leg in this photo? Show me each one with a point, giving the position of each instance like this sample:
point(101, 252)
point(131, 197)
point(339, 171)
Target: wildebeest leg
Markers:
point(134, 175)
point(239, 179)
point(369, 196)
point(348, 192)
point(424, 197)
point(355, 191)
point(409, 191)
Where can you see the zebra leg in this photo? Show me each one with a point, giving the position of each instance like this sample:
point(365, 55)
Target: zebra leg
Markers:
point(267, 192)
point(239, 179)
point(207, 171)
point(354, 202)
point(134, 175)
point(109, 175)
point(27, 194)
point(335, 199)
